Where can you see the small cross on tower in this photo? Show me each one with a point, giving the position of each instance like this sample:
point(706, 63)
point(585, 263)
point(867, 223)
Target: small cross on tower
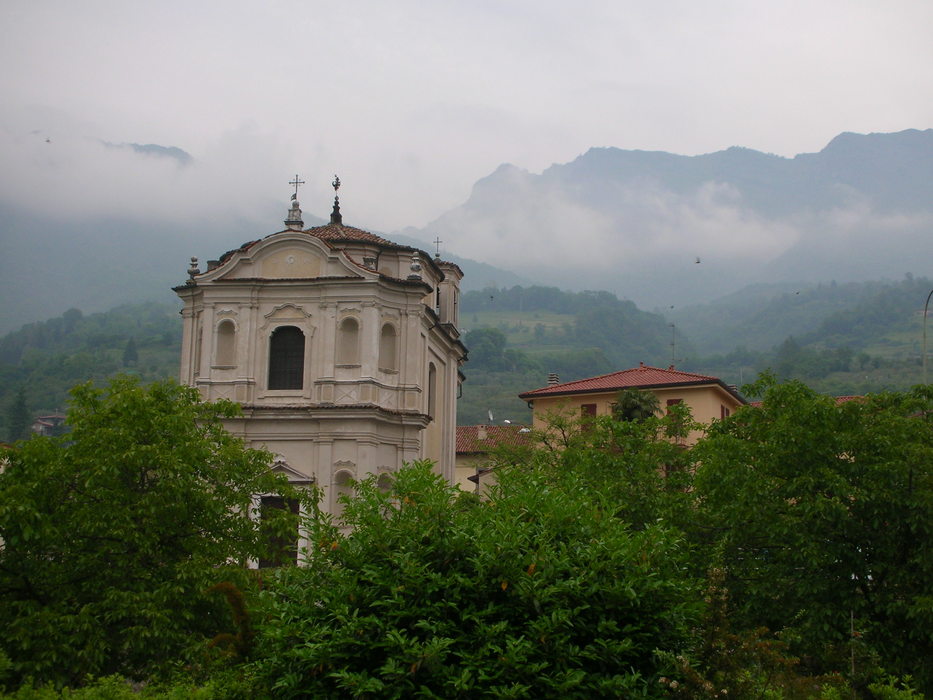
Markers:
point(437, 245)
point(296, 182)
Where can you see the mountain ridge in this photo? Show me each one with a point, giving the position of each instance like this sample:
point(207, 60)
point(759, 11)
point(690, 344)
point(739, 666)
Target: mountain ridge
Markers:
point(634, 221)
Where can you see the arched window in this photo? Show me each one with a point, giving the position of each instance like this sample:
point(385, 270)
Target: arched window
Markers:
point(286, 358)
point(432, 390)
point(384, 482)
point(388, 347)
point(348, 342)
point(226, 343)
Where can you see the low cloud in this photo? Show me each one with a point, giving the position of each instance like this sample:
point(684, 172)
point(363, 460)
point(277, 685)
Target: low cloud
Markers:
point(67, 170)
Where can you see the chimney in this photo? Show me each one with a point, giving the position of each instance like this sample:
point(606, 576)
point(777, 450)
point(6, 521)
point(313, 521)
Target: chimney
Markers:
point(481, 432)
point(552, 379)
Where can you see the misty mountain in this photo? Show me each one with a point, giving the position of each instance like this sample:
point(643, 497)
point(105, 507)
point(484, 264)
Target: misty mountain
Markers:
point(632, 222)
point(668, 230)
point(49, 264)
point(154, 149)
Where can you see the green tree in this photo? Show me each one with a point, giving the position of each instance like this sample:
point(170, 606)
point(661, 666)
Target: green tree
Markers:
point(18, 417)
point(635, 405)
point(112, 535)
point(823, 516)
point(130, 354)
point(537, 592)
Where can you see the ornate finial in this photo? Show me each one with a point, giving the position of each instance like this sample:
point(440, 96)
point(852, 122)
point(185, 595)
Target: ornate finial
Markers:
point(437, 245)
point(415, 267)
point(296, 182)
point(335, 216)
point(193, 270)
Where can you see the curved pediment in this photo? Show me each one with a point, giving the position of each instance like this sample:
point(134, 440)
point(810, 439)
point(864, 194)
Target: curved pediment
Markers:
point(287, 255)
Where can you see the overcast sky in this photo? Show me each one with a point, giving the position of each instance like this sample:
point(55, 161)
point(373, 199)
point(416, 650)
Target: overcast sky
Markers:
point(412, 102)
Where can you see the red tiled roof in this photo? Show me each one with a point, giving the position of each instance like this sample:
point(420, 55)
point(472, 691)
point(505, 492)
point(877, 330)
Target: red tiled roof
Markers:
point(338, 233)
point(641, 377)
point(469, 442)
point(332, 233)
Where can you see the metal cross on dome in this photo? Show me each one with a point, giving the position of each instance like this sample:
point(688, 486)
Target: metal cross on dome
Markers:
point(437, 243)
point(336, 183)
point(296, 182)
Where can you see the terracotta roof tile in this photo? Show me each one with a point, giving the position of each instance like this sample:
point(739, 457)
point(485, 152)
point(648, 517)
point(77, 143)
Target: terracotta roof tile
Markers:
point(469, 442)
point(642, 376)
point(338, 233)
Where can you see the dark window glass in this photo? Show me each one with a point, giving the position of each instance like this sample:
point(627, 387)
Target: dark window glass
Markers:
point(286, 358)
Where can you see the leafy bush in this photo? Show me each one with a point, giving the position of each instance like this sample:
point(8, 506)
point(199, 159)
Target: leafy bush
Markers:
point(538, 592)
point(112, 535)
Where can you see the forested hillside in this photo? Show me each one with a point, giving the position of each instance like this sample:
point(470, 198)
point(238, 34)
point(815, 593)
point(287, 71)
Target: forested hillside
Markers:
point(517, 336)
point(839, 339)
point(854, 338)
point(45, 359)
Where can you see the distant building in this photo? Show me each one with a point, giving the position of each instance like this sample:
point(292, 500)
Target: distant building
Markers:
point(342, 348)
point(49, 425)
point(708, 398)
point(476, 442)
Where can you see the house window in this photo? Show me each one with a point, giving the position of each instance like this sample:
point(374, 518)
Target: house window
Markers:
point(286, 358)
point(283, 549)
point(226, 344)
point(724, 412)
point(673, 402)
point(587, 416)
point(348, 342)
point(388, 347)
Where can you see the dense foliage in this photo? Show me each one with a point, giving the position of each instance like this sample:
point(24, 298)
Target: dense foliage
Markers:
point(787, 555)
point(111, 536)
point(822, 514)
point(539, 591)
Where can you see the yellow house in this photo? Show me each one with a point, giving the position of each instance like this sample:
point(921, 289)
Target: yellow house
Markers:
point(708, 398)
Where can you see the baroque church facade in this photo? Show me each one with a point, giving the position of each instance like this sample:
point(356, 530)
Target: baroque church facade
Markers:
point(341, 347)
